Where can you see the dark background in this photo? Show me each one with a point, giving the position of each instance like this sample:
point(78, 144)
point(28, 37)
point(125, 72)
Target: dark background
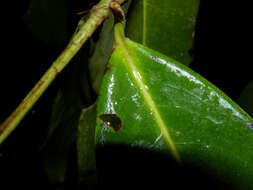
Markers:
point(222, 54)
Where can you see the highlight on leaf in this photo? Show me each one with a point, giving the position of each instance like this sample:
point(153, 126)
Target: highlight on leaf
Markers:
point(167, 107)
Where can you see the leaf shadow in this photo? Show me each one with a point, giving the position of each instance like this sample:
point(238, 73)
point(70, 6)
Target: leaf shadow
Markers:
point(126, 167)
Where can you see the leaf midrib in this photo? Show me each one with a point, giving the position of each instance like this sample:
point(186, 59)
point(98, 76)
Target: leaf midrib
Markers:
point(134, 71)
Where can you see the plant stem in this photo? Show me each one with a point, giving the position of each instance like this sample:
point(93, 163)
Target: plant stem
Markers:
point(97, 16)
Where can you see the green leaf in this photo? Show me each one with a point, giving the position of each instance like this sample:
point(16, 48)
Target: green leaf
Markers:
point(61, 138)
point(48, 21)
point(101, 53)
point(103, 50)
point(164, 25)
point(86, 147)
point(73, 95)
point(151, 101)
point(245, 99)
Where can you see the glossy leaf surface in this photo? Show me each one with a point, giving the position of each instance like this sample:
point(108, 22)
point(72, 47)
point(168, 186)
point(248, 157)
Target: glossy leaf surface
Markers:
point(164, 25)
point(164, 106)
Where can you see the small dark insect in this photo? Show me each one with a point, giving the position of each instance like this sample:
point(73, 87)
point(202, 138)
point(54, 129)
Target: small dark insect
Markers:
point(250, 125)
point(111, 120)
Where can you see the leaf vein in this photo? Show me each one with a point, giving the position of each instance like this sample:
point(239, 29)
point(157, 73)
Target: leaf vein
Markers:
point(134, 71)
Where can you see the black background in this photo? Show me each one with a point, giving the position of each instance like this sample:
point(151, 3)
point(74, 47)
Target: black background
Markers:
point(222, 54)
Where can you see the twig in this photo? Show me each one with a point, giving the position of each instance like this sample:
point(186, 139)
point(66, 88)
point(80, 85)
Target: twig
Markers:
point(98, 14)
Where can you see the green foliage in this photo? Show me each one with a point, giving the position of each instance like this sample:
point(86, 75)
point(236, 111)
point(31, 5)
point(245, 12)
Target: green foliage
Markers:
point(167, 26)
point(165, 106)
point(101, 54)
point(71, 98)
point(86, 147)
point(147, 99)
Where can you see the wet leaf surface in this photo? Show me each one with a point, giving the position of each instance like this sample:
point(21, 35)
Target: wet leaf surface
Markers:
point(166, 107)
point(164, 25)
